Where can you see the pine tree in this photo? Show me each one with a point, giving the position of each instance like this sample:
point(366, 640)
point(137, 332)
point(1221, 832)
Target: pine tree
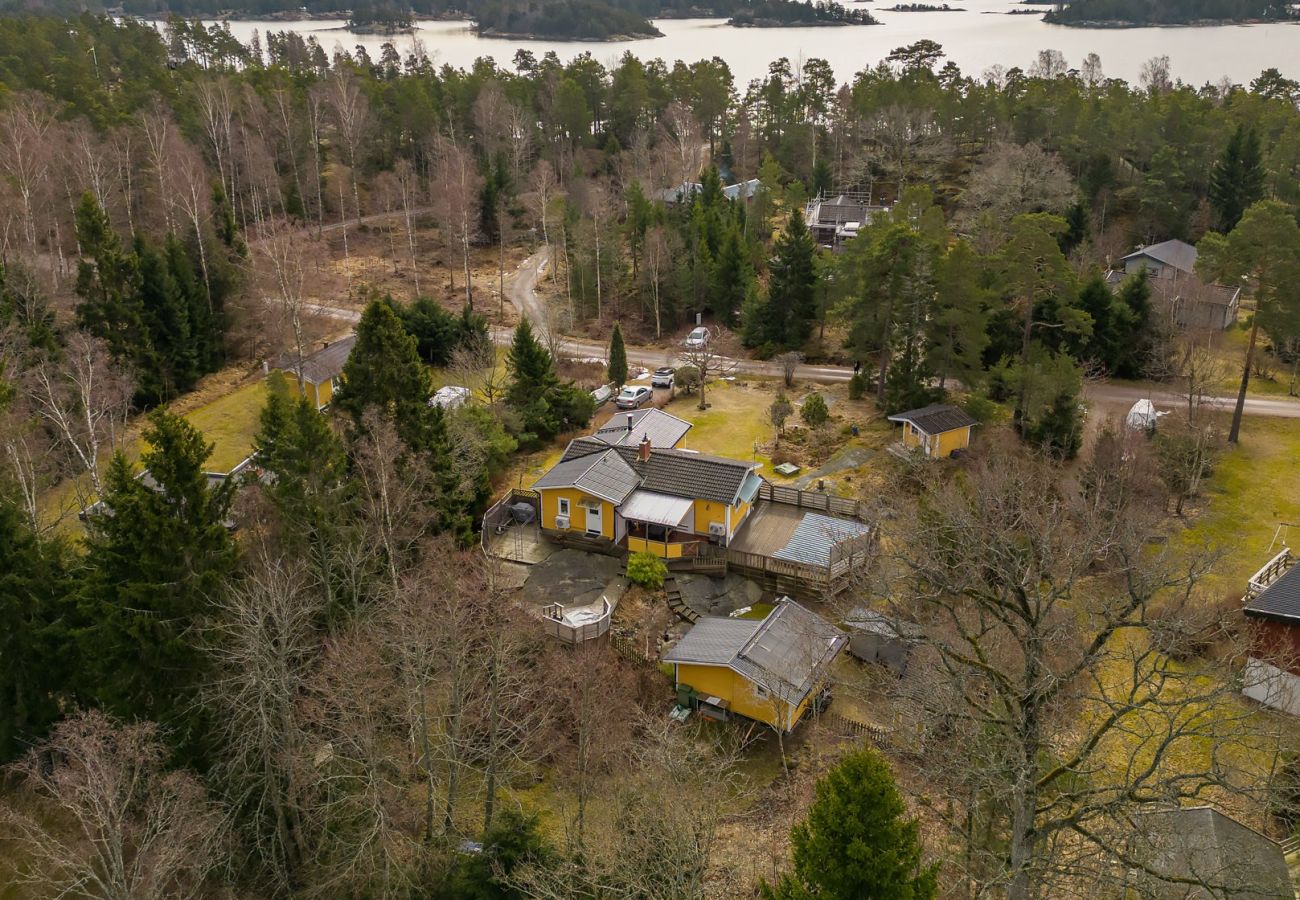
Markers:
point(156, 557)
point(617, 357)
point(856, 843)
point(1237, 180)
point(957, 329)
point(545, 405)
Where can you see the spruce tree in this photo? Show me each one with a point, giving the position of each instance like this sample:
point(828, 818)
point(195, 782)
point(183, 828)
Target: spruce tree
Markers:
point(157, 555)
point(36, 658)
point(384, 372)
point(784, 319)
point(107, 283)
point(856, 842)
point(166, 365)
point(1237, 180)
point(545, 405)
point(617, 357)
point(733, 276)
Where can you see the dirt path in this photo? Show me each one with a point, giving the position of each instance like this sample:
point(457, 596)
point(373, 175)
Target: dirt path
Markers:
point(524, 298)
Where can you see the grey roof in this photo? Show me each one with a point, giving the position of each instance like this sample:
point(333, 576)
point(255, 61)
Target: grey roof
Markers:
point(814, 537)
point(935, 418)
point(840, 209)
point(785, 654)
point(713, 641)
point(663, 429)
point(678, 473)
point(604, 475)
point(322, 365)
point(740, 190)
point(1178, 254)
point(1229, 859)
point(1280, 600)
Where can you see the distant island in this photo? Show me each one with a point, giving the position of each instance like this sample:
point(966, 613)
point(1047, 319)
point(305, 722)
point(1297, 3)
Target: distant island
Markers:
point(574, 20)
point(1135, 13)
point(924, 7)
point(791, 13)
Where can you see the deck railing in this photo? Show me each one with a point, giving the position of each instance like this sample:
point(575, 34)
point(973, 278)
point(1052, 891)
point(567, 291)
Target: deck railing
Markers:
point(554, 625)
point(819, 501)
point(1274, 569)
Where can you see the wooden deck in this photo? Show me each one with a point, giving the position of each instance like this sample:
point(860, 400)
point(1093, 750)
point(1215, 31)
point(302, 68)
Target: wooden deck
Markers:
point(768, 529)
point(519, 543)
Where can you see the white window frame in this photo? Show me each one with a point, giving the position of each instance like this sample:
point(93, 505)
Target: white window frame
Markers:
point(563, 506)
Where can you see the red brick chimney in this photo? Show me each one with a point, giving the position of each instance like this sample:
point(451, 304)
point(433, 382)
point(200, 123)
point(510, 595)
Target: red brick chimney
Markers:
point(645, 448)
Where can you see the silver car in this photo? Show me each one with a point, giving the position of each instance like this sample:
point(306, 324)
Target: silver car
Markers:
point(632, 397)
point(699, 337)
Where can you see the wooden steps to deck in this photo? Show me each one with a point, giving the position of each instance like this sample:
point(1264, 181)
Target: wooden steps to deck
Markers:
point(677, 604)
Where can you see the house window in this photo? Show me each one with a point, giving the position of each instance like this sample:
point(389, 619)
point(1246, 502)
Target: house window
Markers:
point(564, 506)
point(760, 692)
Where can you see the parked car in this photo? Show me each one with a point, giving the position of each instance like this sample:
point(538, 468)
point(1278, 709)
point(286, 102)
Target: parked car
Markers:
point(699, 337)
point(663, 377)
point(602, 394)
point(632, 396)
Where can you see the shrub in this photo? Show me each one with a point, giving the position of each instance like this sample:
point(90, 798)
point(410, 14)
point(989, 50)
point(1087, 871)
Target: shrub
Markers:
point(857, 386)
point(982, 409)
point(687, 378)
point(647, 570)
point(814, 411)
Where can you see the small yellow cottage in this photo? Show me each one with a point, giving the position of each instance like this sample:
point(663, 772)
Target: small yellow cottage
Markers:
point(321, 372)
point(938, 429)
point(767, 670)
point(659, 500)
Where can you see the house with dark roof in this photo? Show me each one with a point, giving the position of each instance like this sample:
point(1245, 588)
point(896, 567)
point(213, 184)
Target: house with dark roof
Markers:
point(768, 670)
point(1272, 606)
point(1189, 302)
point(662, 500)
point(938, 430)
point(1198, 853)
point(321, 372)
point(835, 220)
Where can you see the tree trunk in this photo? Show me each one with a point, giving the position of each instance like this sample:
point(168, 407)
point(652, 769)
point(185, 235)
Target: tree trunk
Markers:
point(1235, 432)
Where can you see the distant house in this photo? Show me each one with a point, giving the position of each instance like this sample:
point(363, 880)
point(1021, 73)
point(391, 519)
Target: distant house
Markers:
point(664, 430)
point(1199, 853)
point(1190, 303)
point(835, 220)
point(245, 468)
point(938, 429)
point(768, 670)
point(321, 372)
point(1272, 604)
point(742, 190)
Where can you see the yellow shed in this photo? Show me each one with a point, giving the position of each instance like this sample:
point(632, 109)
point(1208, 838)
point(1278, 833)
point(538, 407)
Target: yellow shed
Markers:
point(768, 670)
point(938, 430)
point(321, 373)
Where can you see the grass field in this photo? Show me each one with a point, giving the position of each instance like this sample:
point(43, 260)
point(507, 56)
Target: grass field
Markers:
point(1254, 491)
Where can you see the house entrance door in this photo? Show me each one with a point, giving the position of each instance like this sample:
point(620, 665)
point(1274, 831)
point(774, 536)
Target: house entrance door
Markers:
point(595, 520)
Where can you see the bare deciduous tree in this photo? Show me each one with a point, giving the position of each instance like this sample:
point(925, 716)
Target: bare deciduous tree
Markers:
point(126, 826)
point(458, 186)
point(1011, 179)
point(712, 359)
point(83, 398)
point(1053, 704)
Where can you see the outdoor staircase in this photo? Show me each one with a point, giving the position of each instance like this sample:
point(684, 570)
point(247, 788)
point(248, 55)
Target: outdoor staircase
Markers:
point(677, 604)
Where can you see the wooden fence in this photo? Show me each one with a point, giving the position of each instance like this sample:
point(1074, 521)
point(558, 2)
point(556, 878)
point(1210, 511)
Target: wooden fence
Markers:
point(629, 649)
point(814, 500)
point(554, 624)
point(499, 515)
point(877, 734)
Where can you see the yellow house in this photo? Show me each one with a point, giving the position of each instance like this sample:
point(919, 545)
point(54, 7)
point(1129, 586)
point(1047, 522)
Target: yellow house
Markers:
point(938, 429)
point(767, 670)
point(321, 372)
point(666, 500)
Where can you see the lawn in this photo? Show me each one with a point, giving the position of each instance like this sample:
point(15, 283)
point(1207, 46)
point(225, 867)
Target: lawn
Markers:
point(1254, 490)
point(230, 422)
